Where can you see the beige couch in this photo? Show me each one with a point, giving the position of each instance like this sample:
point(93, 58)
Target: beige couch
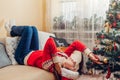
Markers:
point(22, 72)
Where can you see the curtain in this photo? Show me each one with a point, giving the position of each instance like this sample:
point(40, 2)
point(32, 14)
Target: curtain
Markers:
point(77, 19)
point(81, 18)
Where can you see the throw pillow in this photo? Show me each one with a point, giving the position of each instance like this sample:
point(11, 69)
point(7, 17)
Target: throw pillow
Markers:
point(11, 44)
point(4, 59)
point(60, 42)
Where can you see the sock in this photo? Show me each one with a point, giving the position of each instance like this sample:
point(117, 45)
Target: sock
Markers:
point(12, 23)
point(69, 73)
point(8, 26)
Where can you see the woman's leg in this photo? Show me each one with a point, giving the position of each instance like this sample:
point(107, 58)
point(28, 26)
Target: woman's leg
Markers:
point(17, 30)
point(76, 45)
point(23, 47)
point(35, 41)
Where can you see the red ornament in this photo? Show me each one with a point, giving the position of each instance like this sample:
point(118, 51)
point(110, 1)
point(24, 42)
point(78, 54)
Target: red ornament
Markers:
point(108, 73)
point(114, 24)
point(102, 36)
point(95, 48)
point(115, 47)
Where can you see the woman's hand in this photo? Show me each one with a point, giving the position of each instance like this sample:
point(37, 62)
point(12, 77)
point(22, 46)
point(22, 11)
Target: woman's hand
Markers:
point(58, 67)
point(94, 58)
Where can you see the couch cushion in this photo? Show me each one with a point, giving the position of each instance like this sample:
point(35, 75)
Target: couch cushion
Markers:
point(20, 72)
point(4, 59)
point(11, 44)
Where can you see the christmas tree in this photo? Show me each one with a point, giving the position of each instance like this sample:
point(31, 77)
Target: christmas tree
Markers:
point(107, 43)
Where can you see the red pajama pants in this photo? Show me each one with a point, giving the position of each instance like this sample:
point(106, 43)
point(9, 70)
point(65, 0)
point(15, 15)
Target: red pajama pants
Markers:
point(42, 58)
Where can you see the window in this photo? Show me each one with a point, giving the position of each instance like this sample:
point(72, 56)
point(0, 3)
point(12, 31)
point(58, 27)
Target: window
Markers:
point(78, 19)
point(69, 9)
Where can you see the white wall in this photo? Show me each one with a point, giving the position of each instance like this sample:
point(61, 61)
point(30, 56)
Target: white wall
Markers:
point(25, 12)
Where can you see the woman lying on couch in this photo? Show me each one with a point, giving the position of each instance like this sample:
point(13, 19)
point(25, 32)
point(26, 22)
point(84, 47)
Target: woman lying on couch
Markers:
point(28, 53)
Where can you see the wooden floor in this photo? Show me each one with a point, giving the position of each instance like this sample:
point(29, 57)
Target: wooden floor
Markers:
point(90, 77)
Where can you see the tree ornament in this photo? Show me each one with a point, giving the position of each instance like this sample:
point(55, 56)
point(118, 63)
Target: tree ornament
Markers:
point(95, 48)
point(114, 5)
point(114, 24)
point(90, 71)
point(105, 60)
point(115, 47)
point(97, 41)
point(110, 15)
point(100, 35)
point(108, 73)
point(118, 4)
point(107, 27)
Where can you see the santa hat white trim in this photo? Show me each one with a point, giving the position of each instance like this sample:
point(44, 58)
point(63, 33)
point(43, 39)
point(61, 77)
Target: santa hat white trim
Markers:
point(87, 51)
point(69, 73)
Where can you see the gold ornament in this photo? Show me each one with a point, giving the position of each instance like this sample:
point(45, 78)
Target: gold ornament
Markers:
point(114, 4)
point(90, 71)
point(107, 27)
point(105, 60)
